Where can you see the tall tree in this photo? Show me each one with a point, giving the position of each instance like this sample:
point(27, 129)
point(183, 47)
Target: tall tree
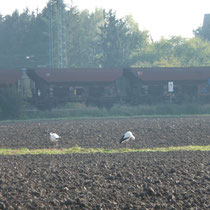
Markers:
point(12, 32)
point(120, 41)
point(36, 41)
point(23, 40)
point(82, 37)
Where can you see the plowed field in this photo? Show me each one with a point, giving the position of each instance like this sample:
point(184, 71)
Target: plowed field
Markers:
point(140, 180)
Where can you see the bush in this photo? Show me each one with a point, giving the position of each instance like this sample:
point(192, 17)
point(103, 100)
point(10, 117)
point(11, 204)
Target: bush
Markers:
point(11, 104)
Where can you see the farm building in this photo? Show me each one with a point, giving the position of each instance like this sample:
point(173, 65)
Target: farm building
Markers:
point(189, 83)
point(48, 88)
point(55, 86)
point(17, 79)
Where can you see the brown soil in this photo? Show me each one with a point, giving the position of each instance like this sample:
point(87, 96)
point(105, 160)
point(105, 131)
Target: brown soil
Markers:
point(171, 180)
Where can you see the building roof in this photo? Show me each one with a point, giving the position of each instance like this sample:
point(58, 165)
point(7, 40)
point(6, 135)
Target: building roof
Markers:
point(76, 75)
point(9, 76)
point(171, 73)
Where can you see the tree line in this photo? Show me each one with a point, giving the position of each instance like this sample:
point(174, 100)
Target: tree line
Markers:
point(63, 36)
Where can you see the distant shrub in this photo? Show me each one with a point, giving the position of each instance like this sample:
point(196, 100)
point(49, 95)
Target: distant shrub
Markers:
point(11, 103)
point(119, 111)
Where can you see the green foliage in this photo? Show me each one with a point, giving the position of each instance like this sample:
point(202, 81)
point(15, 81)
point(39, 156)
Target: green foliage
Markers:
point(22, 40)
point(91, 39)
point(11, 104)
point(111, 38)
point(176, 52)
point(195, 52)
point(82, 33)
point(120, 111)
point(120, 41)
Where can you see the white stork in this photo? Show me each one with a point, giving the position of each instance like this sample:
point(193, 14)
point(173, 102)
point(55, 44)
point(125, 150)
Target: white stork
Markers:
point(54, 137)
point(127, 137)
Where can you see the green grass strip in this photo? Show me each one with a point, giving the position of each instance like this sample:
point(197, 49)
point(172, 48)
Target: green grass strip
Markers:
point(77, 149)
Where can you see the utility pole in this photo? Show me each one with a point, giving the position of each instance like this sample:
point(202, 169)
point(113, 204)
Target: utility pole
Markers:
point(57, 41)
point(62, 36)
point(51, 54)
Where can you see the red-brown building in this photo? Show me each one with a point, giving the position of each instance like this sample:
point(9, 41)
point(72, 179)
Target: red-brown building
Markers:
point(96, 86)
point(188, 82)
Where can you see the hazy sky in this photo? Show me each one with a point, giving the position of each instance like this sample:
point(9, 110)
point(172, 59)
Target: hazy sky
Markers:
point(160, 17)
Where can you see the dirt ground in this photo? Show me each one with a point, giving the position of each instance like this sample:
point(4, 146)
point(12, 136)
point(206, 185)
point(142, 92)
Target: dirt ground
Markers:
point(152, 180)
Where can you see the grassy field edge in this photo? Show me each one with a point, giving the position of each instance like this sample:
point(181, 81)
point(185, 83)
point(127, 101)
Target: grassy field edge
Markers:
point(77, 149)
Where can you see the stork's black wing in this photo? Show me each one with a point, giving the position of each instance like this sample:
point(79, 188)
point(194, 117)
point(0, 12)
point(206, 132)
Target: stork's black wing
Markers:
point(123, 139)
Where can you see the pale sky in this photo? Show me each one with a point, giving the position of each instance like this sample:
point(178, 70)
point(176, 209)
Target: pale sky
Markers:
point(164, 18)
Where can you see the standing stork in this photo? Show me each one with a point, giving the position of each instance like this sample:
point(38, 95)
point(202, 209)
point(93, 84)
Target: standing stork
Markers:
point(54, 137)
point(127, 137)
